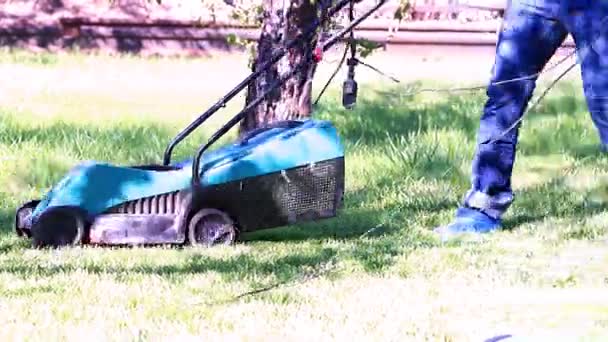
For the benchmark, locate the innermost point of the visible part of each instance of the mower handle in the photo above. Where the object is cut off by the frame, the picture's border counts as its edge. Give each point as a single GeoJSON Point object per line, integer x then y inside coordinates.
{"type": "Point", "coordinates": [196, 172]}
{"type": "Point", "coordinates": [262, 68]}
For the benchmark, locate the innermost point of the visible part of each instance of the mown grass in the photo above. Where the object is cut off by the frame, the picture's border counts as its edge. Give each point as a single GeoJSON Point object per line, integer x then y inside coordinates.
{"type": "Point", "coordinates": [373, 273]}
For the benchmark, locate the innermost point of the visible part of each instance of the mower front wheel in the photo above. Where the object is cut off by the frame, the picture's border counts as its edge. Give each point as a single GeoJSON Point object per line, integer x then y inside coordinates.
{"type": "Point", "coordinates": [59, 227]}
{"type": "Point", "coordinates": [209, 227]}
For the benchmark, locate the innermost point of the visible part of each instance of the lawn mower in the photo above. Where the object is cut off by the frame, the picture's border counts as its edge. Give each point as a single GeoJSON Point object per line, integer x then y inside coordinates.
{"type": "Point", "coordinates": [280, 174]}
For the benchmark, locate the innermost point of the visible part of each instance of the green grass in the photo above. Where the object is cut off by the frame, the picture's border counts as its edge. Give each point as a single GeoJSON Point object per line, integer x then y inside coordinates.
{"type": "Point", "coordinates": [374, 273]}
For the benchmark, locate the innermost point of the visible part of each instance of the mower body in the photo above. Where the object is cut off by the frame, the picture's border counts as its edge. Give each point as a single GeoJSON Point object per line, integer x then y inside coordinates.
{"type": "Point", "coordinates": [275, 177]}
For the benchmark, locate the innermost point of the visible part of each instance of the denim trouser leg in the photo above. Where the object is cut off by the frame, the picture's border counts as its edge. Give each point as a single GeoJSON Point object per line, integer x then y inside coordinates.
{"type": "Point", "coordinates": [589, 29]}
{"type": "Point", "coordinates": [528, 40]}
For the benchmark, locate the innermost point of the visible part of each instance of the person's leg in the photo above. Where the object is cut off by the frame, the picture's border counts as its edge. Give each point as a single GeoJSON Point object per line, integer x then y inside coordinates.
{"type": "Point", "coordinates": [589, 27]}
{"type": "Point", "coordinates": [528, 40]}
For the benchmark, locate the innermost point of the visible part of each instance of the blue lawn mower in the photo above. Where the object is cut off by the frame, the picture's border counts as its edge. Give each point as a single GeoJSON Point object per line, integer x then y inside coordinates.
{"type": "Point", "coordinates": [281, 174]}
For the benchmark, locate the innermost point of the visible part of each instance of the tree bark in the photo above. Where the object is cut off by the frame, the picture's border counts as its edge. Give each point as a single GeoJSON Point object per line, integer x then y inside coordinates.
{"type": "Point", "coordinates": [283, 21]}
{"type": "Point", "coordinates": [48, 6]}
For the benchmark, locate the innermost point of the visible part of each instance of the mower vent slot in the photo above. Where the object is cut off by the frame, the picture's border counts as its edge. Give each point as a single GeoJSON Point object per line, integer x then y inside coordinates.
{"type": "Point", "coordinates": [158, 204]}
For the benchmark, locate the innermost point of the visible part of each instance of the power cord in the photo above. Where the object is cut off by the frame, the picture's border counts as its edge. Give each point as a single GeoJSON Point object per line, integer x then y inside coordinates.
{"type": "Point", "coordinates": [545, 92]}
{"type": "Point", "coordinates": [485, 86]}
{"type": "Point", "coordinates": [333, 75]}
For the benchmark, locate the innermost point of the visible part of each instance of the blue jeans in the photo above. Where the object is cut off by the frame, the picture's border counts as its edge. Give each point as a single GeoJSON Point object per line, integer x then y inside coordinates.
{"type": "Point", "coordinates": [532, 32]}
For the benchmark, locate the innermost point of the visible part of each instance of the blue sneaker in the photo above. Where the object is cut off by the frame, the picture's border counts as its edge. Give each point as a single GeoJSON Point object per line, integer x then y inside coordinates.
{"type": "Point", "coordinates": [468, 221]}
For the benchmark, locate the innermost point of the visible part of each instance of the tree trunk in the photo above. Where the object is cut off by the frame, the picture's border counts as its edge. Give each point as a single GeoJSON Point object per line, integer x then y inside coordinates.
{"type": "Point", "coordinates": [48, 6]}
{"type": "Point", "coordinates": [283, 21]}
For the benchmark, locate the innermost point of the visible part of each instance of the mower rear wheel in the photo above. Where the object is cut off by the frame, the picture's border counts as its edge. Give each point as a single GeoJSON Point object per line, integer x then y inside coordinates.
{"type": "Point", "coordinates": [209, 227]}
{"type": "Point", "coordinates": [22, 217]}
{"type": "Point", "coordinates": [59, 227]}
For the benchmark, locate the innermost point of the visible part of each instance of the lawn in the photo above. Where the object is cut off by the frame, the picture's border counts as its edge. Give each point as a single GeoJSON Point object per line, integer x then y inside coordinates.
{"type": "Point", "coordinates": [375, 273]}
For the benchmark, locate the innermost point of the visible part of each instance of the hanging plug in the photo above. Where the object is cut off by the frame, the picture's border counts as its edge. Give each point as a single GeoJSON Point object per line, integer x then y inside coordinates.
{"type": "Point", "coordinates": [349, 87]}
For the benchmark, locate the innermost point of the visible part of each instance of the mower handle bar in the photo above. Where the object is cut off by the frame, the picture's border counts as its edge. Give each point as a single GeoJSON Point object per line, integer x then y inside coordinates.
{"type": "Point", "coordinates": [262, 68]}
{"type": "Point", "coordinates": [238, 117]}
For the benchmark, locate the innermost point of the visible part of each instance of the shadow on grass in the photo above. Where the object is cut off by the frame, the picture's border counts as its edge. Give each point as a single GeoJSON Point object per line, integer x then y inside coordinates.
{"type": "Point", "coordinates": [239, 267]}
{"type": "Point", "coordinates": [7, 244]}
{"type": "Point", "coordinates": [587, 152]}
{"type": "Point", "coordinates": [6, 219]}
{"type": "Point", "coordinates": [556, 200]}
{"type": "Point", "coordinates": [356, 220]}
{"type": "Point", "coordinates": [569, 100]}
{"type": "Point", "coordinates": [6, 224]}
{"type": "Point", "coordinates": [373, 255]}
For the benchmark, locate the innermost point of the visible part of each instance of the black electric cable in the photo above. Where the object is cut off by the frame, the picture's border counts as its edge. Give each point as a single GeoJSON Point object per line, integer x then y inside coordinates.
{"type": "Point", "coordinates": [333, 75]}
